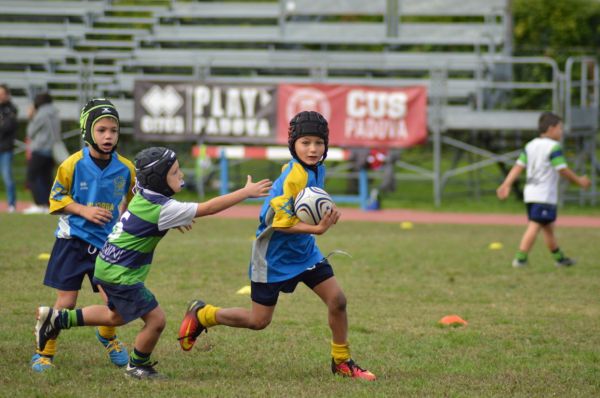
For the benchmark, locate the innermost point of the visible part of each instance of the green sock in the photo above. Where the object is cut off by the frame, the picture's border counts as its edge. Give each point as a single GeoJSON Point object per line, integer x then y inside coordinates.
{"type": "Point", "coordinates": [521, 256]}
{"type": "Point", "coordinates": [69, 318]}
{"type": "Point", "coordinates": [138, 358]}
{"type": "Point", "coordinates": [558, 254]}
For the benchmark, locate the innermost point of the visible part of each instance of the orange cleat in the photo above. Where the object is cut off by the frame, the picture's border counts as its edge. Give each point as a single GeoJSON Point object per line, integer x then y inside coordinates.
{"type": "Point", "coordinates": [191, 327]}
{"type": "Point", "coordinates": [350, 369]}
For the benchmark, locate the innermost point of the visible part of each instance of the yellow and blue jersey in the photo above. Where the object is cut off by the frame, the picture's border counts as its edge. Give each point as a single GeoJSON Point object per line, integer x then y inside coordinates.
{"type": "Point", "coordinates": [279, 256]}
{"type": "Point", "coordinates": [80, 180]}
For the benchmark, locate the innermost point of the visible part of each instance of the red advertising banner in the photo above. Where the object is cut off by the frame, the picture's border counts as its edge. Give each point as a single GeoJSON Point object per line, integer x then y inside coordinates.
{"type": "Point", "coordinates": [361, 116]}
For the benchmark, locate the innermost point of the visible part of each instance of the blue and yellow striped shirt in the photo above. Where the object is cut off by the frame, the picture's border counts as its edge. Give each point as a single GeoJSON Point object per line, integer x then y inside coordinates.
{"type": "Point", "coordinates": [80, 180]}
{"type": "Point", "coordinates": [279, 256]}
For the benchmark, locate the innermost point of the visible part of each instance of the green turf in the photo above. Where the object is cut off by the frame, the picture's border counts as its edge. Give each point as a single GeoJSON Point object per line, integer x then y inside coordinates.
{"type": "Point", "coordinates": [531, 332]}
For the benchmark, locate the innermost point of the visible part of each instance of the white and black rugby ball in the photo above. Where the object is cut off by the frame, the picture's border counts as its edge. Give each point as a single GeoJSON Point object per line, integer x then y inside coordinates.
{"type": "Point", "coordinates": [312, 204]}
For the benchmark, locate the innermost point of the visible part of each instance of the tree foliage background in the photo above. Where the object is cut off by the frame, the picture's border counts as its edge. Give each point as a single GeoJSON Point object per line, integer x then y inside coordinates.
{"type": "Point", "coordinates": [556, 28]}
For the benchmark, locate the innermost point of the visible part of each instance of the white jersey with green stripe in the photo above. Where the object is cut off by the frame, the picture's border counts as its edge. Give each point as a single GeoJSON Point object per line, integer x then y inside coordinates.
{"type": "Point", "coordinates": [127, 255]}
{"type": "Point", "coordinates": [542, 158]}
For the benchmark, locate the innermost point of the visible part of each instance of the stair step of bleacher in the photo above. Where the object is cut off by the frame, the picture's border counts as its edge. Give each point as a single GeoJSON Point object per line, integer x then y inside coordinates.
{"type": "Point", "coordinates": [112, 69]}
{"type": "Point", "coordinates": [118, 31]}
{"type": "Point", "coordinates": [105, 44]}
{"type": "Point", "coordinates": [66, 93]}
{"type": "Point", "coordinates": [134, 9]}
{"type": "Point", "coordinates": [220, 9]}
{"type": "Point", "coordinates": [126, 20]}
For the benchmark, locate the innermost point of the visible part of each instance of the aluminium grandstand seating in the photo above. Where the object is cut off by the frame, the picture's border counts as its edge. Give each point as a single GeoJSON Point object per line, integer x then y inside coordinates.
{"type": "Point", "coordinates": [287, 65]}
{"type": "Point", "coordinates": [26, 58]}
{"type": "Point", "coordinates": [67, 10]}
{"type": "Point", "coordinates": [331, 23]}
{"type": "Point", "coordinates": [407, 8]}
{"type": "Point", "coordinates": [42, 31]}
{"type": "Point", "coordinates": [225, 10]}
{"type": "Point", "coordinates": [340, 33]}
{"type": "Point", "coordinates": [335, 41]}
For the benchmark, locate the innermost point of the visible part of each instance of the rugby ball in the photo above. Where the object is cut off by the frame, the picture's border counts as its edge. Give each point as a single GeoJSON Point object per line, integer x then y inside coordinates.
{"type": "Point", "coordinates": [312, 204]}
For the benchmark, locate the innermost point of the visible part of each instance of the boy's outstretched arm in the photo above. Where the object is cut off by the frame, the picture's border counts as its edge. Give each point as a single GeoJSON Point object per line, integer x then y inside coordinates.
{"type": "Point", "coordinates": [220, 203]}
{"type": "Point", "coordinates": [582, 181]}
{"type": "Point", "coordinates": [504, 189]}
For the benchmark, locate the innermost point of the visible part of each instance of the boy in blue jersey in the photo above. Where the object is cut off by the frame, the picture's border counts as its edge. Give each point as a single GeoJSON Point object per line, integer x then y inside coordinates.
{"type": "Point", "coordinates": [544, 162]}
{"type": "Point", "coordinates": [285, 253]}
{"type": "Point", "coordinates": [124, 262]}
{"type": "Point", "coordinates": [92, 187]}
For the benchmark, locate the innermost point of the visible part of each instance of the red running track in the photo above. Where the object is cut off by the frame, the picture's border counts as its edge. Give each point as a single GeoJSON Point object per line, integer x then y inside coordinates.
{"type": "Point", "coordinates": [415, 216]}
{"type": "Point", "coordinates": [425, 217]}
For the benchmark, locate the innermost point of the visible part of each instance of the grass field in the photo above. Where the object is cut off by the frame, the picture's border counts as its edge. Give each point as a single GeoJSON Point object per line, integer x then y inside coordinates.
{"type": "Point", "coordinates": [532, 332]}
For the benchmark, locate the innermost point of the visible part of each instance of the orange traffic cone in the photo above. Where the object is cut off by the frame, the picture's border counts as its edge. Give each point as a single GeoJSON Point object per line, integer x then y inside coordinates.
{"type": "Point", "coordinates": [453, 320]}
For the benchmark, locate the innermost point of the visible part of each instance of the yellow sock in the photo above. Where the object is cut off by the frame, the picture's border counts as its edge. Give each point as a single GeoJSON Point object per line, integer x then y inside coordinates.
{"type": "Point", "coordinates": [108, 332]}
{"type": "Point", "coordinates": [340, 352]}
{"type": "Point", "coordinates": [49, 350]}
{"type": "Point", "coordinates": [208, 315]}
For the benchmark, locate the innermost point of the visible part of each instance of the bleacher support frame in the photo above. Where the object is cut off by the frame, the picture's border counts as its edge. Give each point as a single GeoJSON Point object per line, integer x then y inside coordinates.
{"type": "Point", "coordinates": [581, 122]}
{"type": "Point", "coordinates": [481, 119]}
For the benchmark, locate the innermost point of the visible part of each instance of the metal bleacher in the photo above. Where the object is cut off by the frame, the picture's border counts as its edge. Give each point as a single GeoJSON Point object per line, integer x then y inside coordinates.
{"type": "Point", "coordinates": [105, 46]}
{"type": "Point", "coordinates": [59, 10]}
{"type": "Point", "coordinates": [459, 49]}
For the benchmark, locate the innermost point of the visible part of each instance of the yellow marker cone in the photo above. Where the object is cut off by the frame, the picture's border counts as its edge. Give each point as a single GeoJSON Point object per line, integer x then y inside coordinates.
{"type": "Point", "coordinates": [44, 256]}
{"type": "Point", "coordinates": [245, 290]}
{"type": "Point", "coordinates": [495, 246]}
{"type": "Point", "coordinates": [406, 225]}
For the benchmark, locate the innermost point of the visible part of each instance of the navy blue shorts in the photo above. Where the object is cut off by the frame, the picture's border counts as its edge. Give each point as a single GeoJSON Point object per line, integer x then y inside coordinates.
{"type": "Point", "coordinates": [70, 261]}
{"type": "Point", "coordinates": [268, 293]}
{"type": "Point", "coordinates": [129, 301]}
{"type": "Point", "coordinates": [541, 213]}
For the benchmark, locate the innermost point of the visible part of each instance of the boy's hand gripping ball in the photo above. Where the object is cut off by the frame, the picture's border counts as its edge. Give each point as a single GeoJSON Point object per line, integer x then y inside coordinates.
{"type": "Point", "coordinates": [312, 204]}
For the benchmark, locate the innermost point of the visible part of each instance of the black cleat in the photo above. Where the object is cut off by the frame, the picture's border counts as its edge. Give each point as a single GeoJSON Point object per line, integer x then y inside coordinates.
{"type": "Point", "coordinates": [143, 372]}
{"type": "Point", "coordinates": [565, 262]}
{"type": "Point", "coordinates": [46, 327]}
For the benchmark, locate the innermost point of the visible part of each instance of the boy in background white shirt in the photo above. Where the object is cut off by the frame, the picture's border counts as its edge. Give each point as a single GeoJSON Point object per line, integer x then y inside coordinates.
{"type": "Point", "coordinates": [544, 161]}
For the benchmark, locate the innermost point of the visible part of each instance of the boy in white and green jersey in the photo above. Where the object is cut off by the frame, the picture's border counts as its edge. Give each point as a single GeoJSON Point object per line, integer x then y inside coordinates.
{"type": "Point", "coordinates": [544, 161]}
{"type": "Point", "coordinates": [124, 262]}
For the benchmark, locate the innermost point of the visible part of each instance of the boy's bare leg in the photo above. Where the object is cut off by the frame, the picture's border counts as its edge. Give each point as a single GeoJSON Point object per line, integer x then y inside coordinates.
{"type": "Point", "coordinates": [155, 322]}
{"type": "Point", "coordinates": [529, 236]}
{"type": "Point", "coordinates": [259, 317]}
{"type": "Point", "coordinates": [332, 295]}
{"type": "Point", "coordinates": [341, 359]}
{"type": "Point", "coordinates": [549, 238]}
{"type": "Point", "coordinates": [100, 315]}
{"type": "Point", "coordinates": [140, 366]}
{"type": "Point", "coordinates": [559, 257]}
{"type": "Point", "coordinates": [66, 299]}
